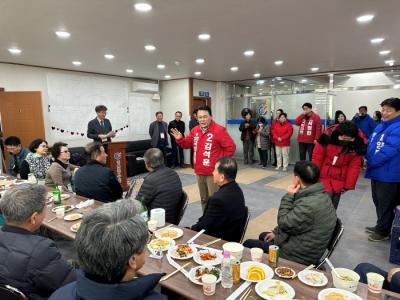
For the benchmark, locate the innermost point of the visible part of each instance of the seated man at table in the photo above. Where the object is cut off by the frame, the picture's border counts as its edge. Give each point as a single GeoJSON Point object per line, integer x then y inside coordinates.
{"type": "Point", "coordinates": [17, 154]}
{"type": "Point", "coordinates": [392, 278]}
{"type": "Point", "coordinates": [29, 262]}
{"type": "Point", "coordinates": [162, 187]}
{"type": "Point", "coordinates": [306, 219]}
{"type": "Point", "coordinates": [110, 244]}
{"type": "Point", "coordinates": [225, 214]}
{"type": "Point", "coordinates": [96, 181]}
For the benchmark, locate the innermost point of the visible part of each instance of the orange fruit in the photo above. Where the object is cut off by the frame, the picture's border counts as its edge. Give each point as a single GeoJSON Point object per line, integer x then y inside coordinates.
{"type": "Point", "coordinates": [255, 273]}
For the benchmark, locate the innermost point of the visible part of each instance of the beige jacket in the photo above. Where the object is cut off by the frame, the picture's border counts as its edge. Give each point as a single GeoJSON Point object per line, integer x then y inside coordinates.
{"type": "Point", "coordinates": [56, 174]}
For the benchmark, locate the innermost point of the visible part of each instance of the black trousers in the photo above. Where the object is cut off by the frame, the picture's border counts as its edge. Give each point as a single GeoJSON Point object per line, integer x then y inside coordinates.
{"type": "Point", "coordinates": [177, 154]}
{"type": "Point", "coordinates": [306, 148]}
{"type": "Point", "coordinates": [386, 196]}
{"type": "Point", "coordinates": [273, 155]}
{"type": "Point", "coordinates": [263, 156]}
{"type": "Point", "coordinates": [260, 243]}
{"type": "Point", "coordinates": [248, 151]}
{"type": "Point", "coordinates": [335, 197]}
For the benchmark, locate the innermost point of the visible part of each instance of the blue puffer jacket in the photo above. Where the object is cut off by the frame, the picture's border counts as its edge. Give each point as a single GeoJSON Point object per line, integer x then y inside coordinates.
{"type": "Point", "coordinates": [383, 154]}
{"type": "Point", "coordinates": [366, 124]}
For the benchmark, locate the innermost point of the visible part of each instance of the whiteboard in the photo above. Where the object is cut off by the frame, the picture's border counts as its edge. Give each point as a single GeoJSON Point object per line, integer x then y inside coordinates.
{"type": "Point", "coordinates": [72, 99]}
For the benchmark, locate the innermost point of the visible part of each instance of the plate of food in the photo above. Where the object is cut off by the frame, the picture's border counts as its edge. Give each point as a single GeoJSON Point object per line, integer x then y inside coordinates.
{"type": "Point", "coordinates": [182, 251]}
{"type": "Point", "coordinates": [73, 217]}
{"type": "Point", "coordinates": [196, 273]}
{"type": "Point", "coordinates": [170, 232]}
{"type": "Point", "coordinates": [67, 208]}
{"type": "Point", "coordinates": [337, 294]}
{"type": "Point", "coordinates": [255, 271]}
{"type": "Point", "coordinates": [312, 278]}
{"type": "Point", "coordinates": [285, 272]}
{"type": "Point", "coordinates": [208, 257]}
{"type": "Point", "coordinates": [274, 290]}
{"type": "Point", "coordinates": [161, 244]}
{"type": "Point", "coordinates": [75, 227]}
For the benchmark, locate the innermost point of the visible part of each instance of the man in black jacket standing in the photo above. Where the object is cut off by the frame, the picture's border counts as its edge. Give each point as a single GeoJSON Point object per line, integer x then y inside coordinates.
{"type": "Point", "coordinates": [94, 180]}
{"type": "Point", "coordinates": [28, 261]}
{"type": "Point", "coordinates": [225, 214]}
{"type": "Point", "coordinates": [177, 151]}
{"type": "Point", "coordinates": [162, 187]}
{"type": "Point", "coordinates": [99, 127]}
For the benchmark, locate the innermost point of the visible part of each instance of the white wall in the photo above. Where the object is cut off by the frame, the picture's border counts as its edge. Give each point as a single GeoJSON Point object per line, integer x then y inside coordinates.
{"type": "Point", "coordinates": [23, 78]}
{"type": "Point", "coordinates": [175, 97]}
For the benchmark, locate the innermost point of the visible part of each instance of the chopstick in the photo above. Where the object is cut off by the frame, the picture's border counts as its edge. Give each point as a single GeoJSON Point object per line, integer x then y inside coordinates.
{"type": "Point", "coordinates": [174, 272]}
{"type": "Point", "coordinates": [308, 268]}
{"type": "Point", "coordinates": [170, 225]}
{"type": "Point", "coordinates": [52, 219]}
{"type": "Point", "coordinates": [246, 294]}
{"type": "Point", "coordinates": [210, 243]}
{"type": "Point", "coordinates": [196, 236]}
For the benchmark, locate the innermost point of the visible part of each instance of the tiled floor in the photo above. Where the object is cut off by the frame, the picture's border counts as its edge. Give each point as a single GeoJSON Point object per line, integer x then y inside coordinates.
{"type": "Point", "coordinates": [356, 211]}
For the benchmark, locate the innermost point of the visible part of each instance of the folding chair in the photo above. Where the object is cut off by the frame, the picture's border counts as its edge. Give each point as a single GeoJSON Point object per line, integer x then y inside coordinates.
{"type": "Point", "coordinates": [336, 235]}
{"type": "Point", "coordinates": [11, 293]}
{"type": "Point", "coordinates": [245, 224]}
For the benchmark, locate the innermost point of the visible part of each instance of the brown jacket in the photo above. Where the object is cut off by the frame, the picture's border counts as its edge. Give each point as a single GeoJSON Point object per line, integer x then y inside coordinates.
{"type": "Point", "coordinates": [59, 175]}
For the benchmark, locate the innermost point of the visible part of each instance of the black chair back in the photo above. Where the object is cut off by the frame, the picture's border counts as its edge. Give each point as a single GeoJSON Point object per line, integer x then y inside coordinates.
{"type": "Point", "coordinates": [182, 206]}
{"type": "Point", "coordinates": [11, 293]}
{"type": "Point", "coordinates": [336, 235]}
{"type": "Point", "coordinates": [246, 222]}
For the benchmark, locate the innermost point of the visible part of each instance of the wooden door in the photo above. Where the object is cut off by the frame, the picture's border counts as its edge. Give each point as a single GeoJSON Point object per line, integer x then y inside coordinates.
{"type": "Point", "coordinates": [199, 101]}
{"type": "Point", "coordinates": [21, 115]}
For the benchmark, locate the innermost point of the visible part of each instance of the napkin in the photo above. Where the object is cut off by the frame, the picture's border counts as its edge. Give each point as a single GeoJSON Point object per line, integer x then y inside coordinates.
{"type": "Point", "coordinates": [159, 215]}
{"type": "Point", "coordinates": [84, 204]}
{"type": "Point", "coordinates": [239, 291]}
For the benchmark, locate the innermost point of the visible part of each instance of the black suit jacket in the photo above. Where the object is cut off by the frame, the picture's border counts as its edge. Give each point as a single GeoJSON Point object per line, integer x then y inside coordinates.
{"type": "Point", "coordinates": [225, 213]}
{"type": "Point", "coordinates": [94, 129]}
{"type": "Point", "coordinates": [96, 181]}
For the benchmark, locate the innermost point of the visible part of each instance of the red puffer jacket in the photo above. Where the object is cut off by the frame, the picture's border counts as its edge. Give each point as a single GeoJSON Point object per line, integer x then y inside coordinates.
{"type": "Point", "coordinates": [338, 171]}
{"type": "Point", "coordinates": [208, 147]}
{"type": "Point", "coordinates": [284, 131]}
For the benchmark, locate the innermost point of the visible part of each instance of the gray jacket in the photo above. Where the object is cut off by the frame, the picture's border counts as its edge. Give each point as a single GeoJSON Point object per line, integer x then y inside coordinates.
{"type": "Point", "coordinates": [154, 133]}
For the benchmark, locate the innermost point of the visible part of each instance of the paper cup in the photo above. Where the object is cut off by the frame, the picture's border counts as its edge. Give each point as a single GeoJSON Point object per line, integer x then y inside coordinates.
{"type": "Point", "coordinates": [152, 225]}
{"type": "Point", "coordinates": [209, 282]}
{"type": "Point", "coordinates": [375, 282]}
{"type": "Point", "coordinates": [235, 249]}
{"type": "Point", "coordinates": [60, 212]}
{"type": "Point", "coordinates": [256, 254]}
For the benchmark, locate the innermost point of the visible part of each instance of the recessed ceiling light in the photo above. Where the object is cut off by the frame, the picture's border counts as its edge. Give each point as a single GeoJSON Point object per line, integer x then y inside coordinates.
{"type": "Point", "coordinates": [377, 40]}
{"type": "Point", "coordinates": [365, 19]}
{"type": "Point", "coordinates": [160, 66]}
{"type": "Point", "coordinates": [384, 52]}
{"type": "Point", "coordinates": [311, 84]}
{"type": "Point", "coordinates": [109, 56]}
{"type": "Point", "coordinates": [278, 62]}
{"type": "Point", "coordinates": [129, 71]}
{"type": "Point", "coordinates": [259, 82]}
{"type": "Point", "coordinates": [246, 87]}
{"type": "Point", "coordinates": [14, 50]}
{"type": "Point", "coordinates": [197, 73]}
{"type": "Point", "coordinates": [143, 7]}
{"type": "Point", "coordinates": [177, 63]}
{"type": "Point", "coordinates": [167, 76]}
{"type": "Point", "coordinates": [63, 34]}
{"type": "Point", "coordinates": [204, 36]}
{"type": "Point", "coordinates": [76, 63]}
{"type": "Point", "coordinates": [248, 52]}
{"type": "Point", "coordinates": [150, 47]}
{"type": "Point", "coordinates": [389, 62]}
{"type": "Point", "coordinates": [256, 75]}
{"type": "Point", "coordinates": [303, 80]}
{"type": "Point", "coordinates": [314, 69]}
{"type": "Point", "coordinates": [200, 61]}
{"type": "Point", "coordinates": [234, 69]}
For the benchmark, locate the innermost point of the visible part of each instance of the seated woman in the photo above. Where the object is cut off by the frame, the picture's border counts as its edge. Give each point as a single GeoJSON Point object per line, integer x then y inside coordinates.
{"type": "Point", "coordinates": [110, 245]}
{"type": "Point", "coordinates": [60, 171]}
{"type": "Point", "coordinates": [36, 162]}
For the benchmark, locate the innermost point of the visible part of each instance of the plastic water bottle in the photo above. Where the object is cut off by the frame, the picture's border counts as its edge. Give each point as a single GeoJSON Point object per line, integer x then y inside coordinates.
{"type": "Point", "coordinates": [226, 271]}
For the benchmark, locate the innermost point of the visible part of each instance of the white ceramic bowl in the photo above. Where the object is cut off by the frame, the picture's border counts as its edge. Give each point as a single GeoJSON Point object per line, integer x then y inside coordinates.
{"type": "Point", "coordinates": [348, 285]}
{"type": "Point", "coordinates": [235, 249]}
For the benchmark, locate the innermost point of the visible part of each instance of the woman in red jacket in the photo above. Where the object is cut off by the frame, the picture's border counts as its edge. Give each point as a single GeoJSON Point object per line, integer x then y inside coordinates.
{"type": "Point", "coordinates": [281, 134]}
{"type": "Point", "coordinates": [338, 155]}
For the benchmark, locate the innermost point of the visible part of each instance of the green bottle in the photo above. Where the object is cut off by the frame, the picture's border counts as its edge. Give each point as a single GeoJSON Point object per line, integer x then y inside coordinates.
{"type": "Point", "coordinates": [56, 195]}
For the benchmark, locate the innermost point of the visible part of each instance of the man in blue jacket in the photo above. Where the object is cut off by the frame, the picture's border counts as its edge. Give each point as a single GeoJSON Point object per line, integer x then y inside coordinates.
{"type": "Point", "coordinates": [364, 121]}
{"type": "Point", "coordinates": [383, 157]}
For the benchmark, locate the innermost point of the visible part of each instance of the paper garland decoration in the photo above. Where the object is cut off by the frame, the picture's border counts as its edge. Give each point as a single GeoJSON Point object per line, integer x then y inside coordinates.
{"type": "Point", "coordinates": [79, 133]}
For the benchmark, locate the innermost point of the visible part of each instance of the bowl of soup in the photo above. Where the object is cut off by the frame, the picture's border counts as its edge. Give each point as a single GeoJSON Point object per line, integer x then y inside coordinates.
{"type": "Point", "coordinates": [348, 279]}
